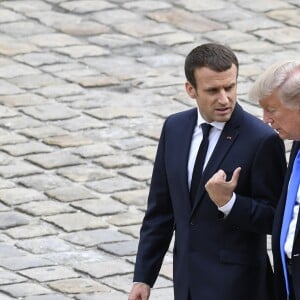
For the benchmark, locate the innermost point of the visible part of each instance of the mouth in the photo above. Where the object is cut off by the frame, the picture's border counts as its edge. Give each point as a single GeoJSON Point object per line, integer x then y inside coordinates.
{"type": "Point", "coordinates": [223, 110]}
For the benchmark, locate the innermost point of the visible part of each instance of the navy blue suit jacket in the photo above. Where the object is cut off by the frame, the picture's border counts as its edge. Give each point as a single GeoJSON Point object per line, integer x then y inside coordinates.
{"type": "Point", "coordinates": [214, 257]}
{"type": "Point", "coordinates": [279, 277]}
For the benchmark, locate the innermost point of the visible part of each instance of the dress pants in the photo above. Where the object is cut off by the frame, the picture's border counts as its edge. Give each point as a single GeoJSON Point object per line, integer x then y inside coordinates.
{"type": "Point", "coordinates": [289, 269]}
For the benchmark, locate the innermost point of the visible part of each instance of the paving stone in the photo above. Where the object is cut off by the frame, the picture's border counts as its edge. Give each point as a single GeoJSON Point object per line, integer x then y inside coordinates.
{"type": "Point", "coordinates": [78, 286]}
{"type": "Point", "coordinates": [120, 248]}
{"type": "Point", "coordinates": [53, 40]}
{"type": "Point", "coordinates": [19, 122]}
{"type": "Point", "coordinates": [109, 295]}
{"type": "Point", "coordinates": [71, 193]}
{"type": "Point", "coordinates": [5, 297]}
{"type": "Point", "coordinates": [91, 238]}
{"type": "Point", "coordinates": [111, 185]}
{"type": "Point", "coordinates": [4, 207]}
{"type": "Point", "coordinates": [143, 29]}
{"type": "Point", "coordinates": [10, 251]}
{"type": "Point", "coordinates": [43, 182]}
{"type": "Point", "coordinates": [147, 152]}
{"type": "Point", "coordinates": [171, 39]}
{"type": "Point", "coordinates": [96, 81]}
{"type": "Point", "coordinates": [163, 293]}
{"type": "Point", "coordinates": [254, 24]}
{"type": "Point", "coordinates": [35, 81]}
{"type": "Point", "coordinates": [71, 140]}
{"type": "Point", "coordinates": [114, 40]}
{"type": "Point", "coordinates": [48, 297]}
{"type": "Point", "coordinates": [76, 221]}
{"type": "Point", "coordinates": [21, 29]}
{"type": "Point", "coordinates": [17, 69]}
{"type": "Point", "coordinates": [84, 173]}
{"type": "Point", "coordinates": [289, 16]}
{"type": "Point", "coordinates": [49, 273]}
{"type": "Point", "coordinates": [43, 131]}
{"type": "Point", "coordinates": [7, 277]}
{"type": "Point", "coordinates": [105, 268]}
{"type": "Point", "coordinates": [134, 197]}
{"type": "Point", "coordinates": [43, 245]}
{"type": "Point", "coordinates": [60, 90]}
{"type": "Point", "coordinates": [139, 173]}
{"type": "Point", "coordinates": [267, 5]}
{"type": "Point", "coordinates": [124, 282]}
{"type": "Point", "coordinates": [24, 262]}
{"type": "Point", "coordinates": [280, 35]}
{"type": "Point", "coordinates": [100, 207]}
{"type": "Point", "coordinates": [118, 66]}
{"type": "Point", "coordinates": [45, 208]}
{"type": "Point", "coordinates": [185, 20]}
{"type": "Point", "coordinates": [22, 100]}
{"type": "Point", "coordinates": [86, 6]}
{"type": "Point", "coordinates": [25, 289]}
{"type": "Point", "coordinates": [147, 5]}
{"type": "Point", "coordinates": [72, 258]}
{"type": "Point", "coordinates": [83, 28]}
{"type": "Point", "coordinates": [115, 16]}
{"type": "Point", "coordinates": [9, 16]}
{"type": "Point", "coordinates": [108, 113]}
{"type": "Point", "coordinates": [81, 123]}
{"type": "Point", "coordinates": [132, 230]}
{"type": "Point", "coordinates": [40, 58]}
{"type": "Point", "coordinates": [255, 47]}
{"type": "Point", "coordinates": [12, 47]}
{"type": "Point", "coordinates": [94, 150]}
{"type": "Point", "coordinates": [54, 160]}
{"type": "Point", "coordinates": [50, 112]}
{"type": "Point", "coordinates": [27, 6]}
{"type": "Point", "coordinates": [12, 219]}
{"type": "Point", "coordinates": [128, 218]}
{"type": "Point", "coordinates": [83, 51]}
{"type": "Point", "coordinates": [31, 231]}
{"type": "Point", "coordinates": [26, 148]}
{"type": "Point", "coordinates": [200, 6]}
{"type": "Point", "coordinates": [8, 89]}
{"type": "Point", "coordinates": [19, 195]}
{"type": "Point", "coordinates": [54, 18]}
{"type": "Point", "coordinates": [117, 161]}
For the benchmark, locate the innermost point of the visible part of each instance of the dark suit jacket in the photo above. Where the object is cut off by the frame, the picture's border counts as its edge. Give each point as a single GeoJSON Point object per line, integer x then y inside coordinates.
{"type": "Point", "coordinates": [215, 258]}
{"type": "Point", "coordinates": [279, 277]}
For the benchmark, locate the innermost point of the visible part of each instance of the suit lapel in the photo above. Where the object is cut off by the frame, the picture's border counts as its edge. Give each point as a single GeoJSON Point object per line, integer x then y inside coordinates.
{"type": "Point", "coordinates": [225, 142]}
{"type": "Point", "coordinates": [185, 135]}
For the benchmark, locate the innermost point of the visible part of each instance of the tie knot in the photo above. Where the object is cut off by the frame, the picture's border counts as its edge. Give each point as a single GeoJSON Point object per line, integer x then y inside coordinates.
{"type": "Point", "coordinates": [205, 129]}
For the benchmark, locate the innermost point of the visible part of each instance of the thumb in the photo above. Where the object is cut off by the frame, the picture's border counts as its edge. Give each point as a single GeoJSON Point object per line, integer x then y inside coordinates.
{"type": "Point", "coordinates": [235, 176]}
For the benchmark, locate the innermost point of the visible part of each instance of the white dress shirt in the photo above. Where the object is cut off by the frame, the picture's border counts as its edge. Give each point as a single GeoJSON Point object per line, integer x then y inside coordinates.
{"type": "Point", "coordinates": [289, 242]}
{"type": "Point", "coordinates": [214, 135]}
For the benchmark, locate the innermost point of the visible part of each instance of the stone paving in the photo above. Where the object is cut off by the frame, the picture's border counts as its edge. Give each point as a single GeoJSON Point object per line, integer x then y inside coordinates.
{"type": "Point", "coordinates": [84, 89]}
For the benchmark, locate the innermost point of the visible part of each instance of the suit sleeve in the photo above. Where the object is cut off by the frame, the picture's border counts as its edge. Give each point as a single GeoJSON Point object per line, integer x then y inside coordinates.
{"type": "Point", "coordinates": [256, 212]}
{"type": "Point", "coordinates": [158, 224]}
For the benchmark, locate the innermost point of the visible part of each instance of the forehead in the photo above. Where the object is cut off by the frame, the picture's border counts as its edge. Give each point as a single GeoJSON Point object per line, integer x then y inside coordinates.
{"type": "Point", "coordinates": [271, 100]}
{"type": "Point", "coordinates": [208, 76]}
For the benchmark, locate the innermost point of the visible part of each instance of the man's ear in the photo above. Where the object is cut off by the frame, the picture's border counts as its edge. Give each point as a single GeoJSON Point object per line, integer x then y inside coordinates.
{"type": "Point", "coordinates": [190, 90]}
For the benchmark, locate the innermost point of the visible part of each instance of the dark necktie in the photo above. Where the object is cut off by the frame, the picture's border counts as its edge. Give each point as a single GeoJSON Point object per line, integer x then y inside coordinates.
{"type": "Point", "coordinates": [198, 167]}
{"type": "Point", "coordinates": [288, 211]}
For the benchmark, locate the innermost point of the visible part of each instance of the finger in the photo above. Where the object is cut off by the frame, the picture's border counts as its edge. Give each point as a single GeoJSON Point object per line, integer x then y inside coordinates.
{"type": "Point", "coordinates": [235, 176]}
{"type": "Point", "coordinates": [220, 175]}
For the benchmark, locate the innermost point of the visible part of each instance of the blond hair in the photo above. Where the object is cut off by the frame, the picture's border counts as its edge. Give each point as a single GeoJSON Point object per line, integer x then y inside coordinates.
{"type": "Point", "coordinates": [283, 77]}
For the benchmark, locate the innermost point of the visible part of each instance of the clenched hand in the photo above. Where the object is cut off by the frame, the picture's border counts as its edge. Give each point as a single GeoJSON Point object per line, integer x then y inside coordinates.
{"type": "Point", "coordinates": [219, 190]}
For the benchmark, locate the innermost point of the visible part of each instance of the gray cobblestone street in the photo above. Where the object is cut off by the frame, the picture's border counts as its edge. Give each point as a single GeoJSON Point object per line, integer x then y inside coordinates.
{"type": "Point", "coordinates": [85, 86]}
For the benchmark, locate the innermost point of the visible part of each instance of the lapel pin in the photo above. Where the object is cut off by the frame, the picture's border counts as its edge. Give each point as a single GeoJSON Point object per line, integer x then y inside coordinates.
{"type": "Point", "coordinates": [228, 137]}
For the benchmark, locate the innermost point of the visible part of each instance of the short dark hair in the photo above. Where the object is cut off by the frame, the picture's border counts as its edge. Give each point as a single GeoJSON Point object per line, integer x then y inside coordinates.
{"type": "Point", "coordinates": [214, 56]}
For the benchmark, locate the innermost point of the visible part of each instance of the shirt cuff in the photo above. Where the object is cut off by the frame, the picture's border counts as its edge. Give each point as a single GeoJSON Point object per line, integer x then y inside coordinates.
{"type": "Point", "coordinates": [226, 209]}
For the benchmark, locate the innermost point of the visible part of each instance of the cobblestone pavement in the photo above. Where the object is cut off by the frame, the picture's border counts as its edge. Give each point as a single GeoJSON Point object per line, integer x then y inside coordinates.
{"type": "Point", "coordinates": [84, 89]}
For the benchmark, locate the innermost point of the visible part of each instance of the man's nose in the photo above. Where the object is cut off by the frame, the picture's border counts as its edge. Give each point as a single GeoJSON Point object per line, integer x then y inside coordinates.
{"type": "Point", "coordinates": [223, 98]}
{"type": "Point", "coordinates": [267, 118]}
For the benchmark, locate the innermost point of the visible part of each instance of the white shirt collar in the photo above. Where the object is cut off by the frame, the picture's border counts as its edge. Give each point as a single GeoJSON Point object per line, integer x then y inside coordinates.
{"type": "Point", "coordinates": [200, 120]}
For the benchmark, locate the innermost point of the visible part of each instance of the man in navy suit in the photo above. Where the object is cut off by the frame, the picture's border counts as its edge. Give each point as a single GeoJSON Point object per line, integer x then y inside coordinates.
{"type": "Point", "coordinates": [278, 92]}
{"type": "Point", "coordinates": [220, 231]}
